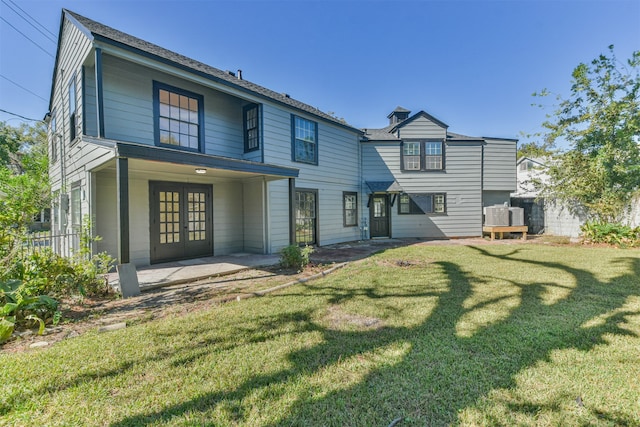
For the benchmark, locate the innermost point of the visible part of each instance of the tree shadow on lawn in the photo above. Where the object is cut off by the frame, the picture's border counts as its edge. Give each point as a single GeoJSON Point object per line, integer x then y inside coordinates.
{"type": "Point", "coordinates": [440, 373]}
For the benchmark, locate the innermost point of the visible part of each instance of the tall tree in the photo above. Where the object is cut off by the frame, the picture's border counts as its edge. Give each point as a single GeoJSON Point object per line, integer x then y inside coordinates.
{"type": "Point", "coordinates": [600, 121]}
{"type": "Point", "coordinates": [24, 178]}
{"type": "Point", "coordinates": [534, 150]}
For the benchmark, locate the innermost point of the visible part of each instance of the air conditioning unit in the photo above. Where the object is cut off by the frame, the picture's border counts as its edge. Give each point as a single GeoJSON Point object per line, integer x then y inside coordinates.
{"type": "Point", "coordinates": [497, 215]}
{"type": "Point", "coordinates": [516, 216]}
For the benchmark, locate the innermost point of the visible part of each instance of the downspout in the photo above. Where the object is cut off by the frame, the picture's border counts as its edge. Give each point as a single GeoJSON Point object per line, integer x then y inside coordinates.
{"type": "Point", "coordinates": [364, 223]}
{"type": "Point", "coordinates": [481, 187]}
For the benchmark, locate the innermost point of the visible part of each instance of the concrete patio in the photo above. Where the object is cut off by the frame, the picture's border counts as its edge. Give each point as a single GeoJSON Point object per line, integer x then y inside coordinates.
{"type": "Point", "coordinates": [177, 272]}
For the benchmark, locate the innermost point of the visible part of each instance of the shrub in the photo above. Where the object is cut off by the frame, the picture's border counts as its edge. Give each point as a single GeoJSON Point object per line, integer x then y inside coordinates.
{"type": "Point", "coordinates": [45, 272]}
{"type": "Point", "coordinates": [293, 256]}
{"type": "Point", "coordinates": [19, 307]}
{"type": "Point", "coordinates": [31, 279]}
{"type": "Point", "coordinates": [610, 233]}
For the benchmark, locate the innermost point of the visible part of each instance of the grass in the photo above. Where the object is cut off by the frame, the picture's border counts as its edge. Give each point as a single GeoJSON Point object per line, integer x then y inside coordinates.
{"type": "Point", "coordinates": [436, 335]}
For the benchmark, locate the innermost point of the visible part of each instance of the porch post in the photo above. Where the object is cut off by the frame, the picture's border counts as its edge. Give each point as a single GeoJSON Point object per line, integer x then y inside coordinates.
{"type": "Point", "coordinates": [292, 211]}
{"type": "Point", "coordinates": [122, 178]}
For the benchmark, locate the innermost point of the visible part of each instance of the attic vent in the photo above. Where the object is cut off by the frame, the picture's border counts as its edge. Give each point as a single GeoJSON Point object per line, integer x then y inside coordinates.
{"type": "Point", "coordinates": [286, 95]}
{"type": "Point", "coordinates": [231, 73]}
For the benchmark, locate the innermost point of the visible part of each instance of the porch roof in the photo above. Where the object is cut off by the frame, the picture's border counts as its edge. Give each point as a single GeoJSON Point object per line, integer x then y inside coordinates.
{"type": "Point", "coordinates": [384, 187]}
{"type": "Point", "coordinates": [161, 154]}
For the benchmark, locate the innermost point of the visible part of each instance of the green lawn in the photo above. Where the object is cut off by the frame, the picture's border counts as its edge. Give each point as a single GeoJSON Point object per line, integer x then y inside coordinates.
{"type": "Point", "coordinates": [489, 335]}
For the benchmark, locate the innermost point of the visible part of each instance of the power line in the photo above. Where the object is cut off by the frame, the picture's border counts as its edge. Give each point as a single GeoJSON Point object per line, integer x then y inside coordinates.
{"type": "Point", "coordinates": [52, 39]}
{"type": "Point", "coordinates": [22, 87]}
{"type": "Point", "coordinates": [32, 18]}
{"type": "Point", "coordinates": [18, 115]}
{"type": "Point", "coordinates": [26, 37]}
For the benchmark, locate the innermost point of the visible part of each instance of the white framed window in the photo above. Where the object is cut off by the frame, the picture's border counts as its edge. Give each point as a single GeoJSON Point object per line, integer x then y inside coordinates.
{"type": "Point", "coordinates": [178, 117]}
{"type": "Point", "coordinates": [305, 140]}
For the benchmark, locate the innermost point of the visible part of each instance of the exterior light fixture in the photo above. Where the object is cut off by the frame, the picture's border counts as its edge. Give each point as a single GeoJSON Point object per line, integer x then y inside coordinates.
{"type": "Point", "coordinates": [201, 171]}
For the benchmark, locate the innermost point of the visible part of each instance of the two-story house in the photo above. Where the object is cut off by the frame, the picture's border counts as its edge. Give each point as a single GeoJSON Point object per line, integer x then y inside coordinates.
{"type": "Point", "coordinates": [174, 159]}
{"type": "Point", "coordinates": [423, 181]}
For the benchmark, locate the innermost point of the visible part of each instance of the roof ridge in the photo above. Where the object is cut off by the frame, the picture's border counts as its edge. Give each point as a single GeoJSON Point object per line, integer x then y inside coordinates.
{"type": "Point", "coordinates": [118, 36]}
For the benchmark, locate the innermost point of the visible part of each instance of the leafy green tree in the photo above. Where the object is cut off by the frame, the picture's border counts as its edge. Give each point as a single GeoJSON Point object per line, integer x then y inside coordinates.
{"type": "Point", "coordinates": [600, 121]}
{"type": "Point", "coordinates": [534, 150]}
{"type": "Point", "coordinates": [24, 180]}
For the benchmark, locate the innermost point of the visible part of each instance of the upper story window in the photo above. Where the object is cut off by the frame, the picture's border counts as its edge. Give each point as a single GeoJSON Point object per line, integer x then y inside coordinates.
{"type": "Point", "coordinates": [73, 110]}
{"type": "Point", "coordinates": [305, 140]}
{"type": "Point", "coordinates": [433, 155]}
{"type": "Point", "coordinates": [53, 155]}
{"type": "Point", "coordinates": [179, 117]}
{"type": "Point", "coordinates": [251, 120]}
{"type": "Point", "coordinates": [411, 155]}
{"type": "Point", "coordinates": [421, 203]}
{"type": "Point", "coordinates": [422, 156]}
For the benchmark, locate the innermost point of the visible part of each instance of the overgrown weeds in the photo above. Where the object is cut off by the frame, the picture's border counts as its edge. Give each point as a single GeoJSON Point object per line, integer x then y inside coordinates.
{"type": "Point", "coordinates": [31, 282]}
{"type": "Point", "coordinates": [611, 233]}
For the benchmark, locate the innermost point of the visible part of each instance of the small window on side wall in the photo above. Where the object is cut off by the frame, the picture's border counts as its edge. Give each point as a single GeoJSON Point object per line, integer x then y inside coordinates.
{"type": "Point", "coordinates": [76, 210]}
{"type": "Point", "coordinates": [350, 209]}
{"type": "Point", "coordinates": [73, 110]}
{"type": "Point", "coordinates": [53, 154]}
{"type": "Point", "coordinates": [251, 123]}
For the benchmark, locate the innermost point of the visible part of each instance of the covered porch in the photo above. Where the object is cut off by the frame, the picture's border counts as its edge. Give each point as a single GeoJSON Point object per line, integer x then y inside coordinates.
{"type": "Point", "coordinates": [154, 205]}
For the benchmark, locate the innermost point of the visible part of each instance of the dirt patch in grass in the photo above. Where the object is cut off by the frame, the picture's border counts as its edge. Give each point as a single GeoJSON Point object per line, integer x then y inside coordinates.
{"type": "Point", "coordinates": [404, 263]}
{"type": "Point", "coordinates": [338, 319]}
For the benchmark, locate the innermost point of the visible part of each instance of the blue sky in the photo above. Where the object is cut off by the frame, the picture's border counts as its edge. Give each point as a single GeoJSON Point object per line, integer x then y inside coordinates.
{"type": "Point", "coordinates": [471, 64]}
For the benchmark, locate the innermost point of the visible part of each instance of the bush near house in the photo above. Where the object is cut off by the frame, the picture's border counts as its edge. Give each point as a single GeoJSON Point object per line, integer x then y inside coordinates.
{"type": "Point", "coordinates": [294, 256]}
{"type": "Point", "coordinates": [32, 279]}
{"type": "Point", "coordinates": [611, 233]}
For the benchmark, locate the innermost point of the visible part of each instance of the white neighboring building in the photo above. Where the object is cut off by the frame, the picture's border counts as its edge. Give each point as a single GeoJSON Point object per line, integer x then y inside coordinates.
{"type": "Point", "coordinates": [547, 216]}
{"type": "Point", "coordinates": [542, 216]}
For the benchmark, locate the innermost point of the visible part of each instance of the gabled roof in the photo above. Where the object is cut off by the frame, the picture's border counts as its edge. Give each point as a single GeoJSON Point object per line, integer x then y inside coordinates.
{"type": "Point", "coordinates": [383, 134]}
{"type": "Point", "coordinates": [102, 33]}
{"type": "Point", "coordinates": [384, 186]}
{"type": "Point", "coordinates": [542, 161]}
{"type": "Point", "coordinates": [421, 113]}
{"type": "Point", "coordinates": [388, 133]}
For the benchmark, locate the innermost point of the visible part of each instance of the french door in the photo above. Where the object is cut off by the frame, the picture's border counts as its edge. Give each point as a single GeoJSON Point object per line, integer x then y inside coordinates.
{"type": "Point", "coordinates": [181, 221]}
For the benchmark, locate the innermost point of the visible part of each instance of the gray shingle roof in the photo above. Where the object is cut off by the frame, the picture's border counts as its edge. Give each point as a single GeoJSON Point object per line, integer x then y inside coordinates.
{"type": "Point", "coordinates": [459, 137]}
{"type": "Point", "coordinates": [380, 134]}
{"type": "Point", "coordinates": [384, 186]}
{"type": "Point", "coordinates": [108, 34]}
